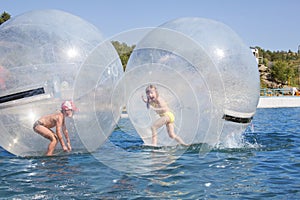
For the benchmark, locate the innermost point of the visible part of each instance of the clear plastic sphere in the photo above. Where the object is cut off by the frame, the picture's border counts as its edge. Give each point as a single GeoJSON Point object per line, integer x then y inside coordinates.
{"type": "Point", "coordinates": [204, 71]}
{"type": "Point", "coordinates": [50, 56]}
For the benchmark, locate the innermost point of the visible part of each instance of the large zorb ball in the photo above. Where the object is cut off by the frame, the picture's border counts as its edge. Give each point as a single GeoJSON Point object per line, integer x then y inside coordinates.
{"type": "Point", "coordinates": [204, 71]}
{"type": "Point", "coordinates": [49, 56]}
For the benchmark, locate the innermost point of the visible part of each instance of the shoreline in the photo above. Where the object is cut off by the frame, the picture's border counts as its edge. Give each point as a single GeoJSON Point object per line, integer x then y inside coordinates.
{"type": "Point", "coordinates": [279, 102]}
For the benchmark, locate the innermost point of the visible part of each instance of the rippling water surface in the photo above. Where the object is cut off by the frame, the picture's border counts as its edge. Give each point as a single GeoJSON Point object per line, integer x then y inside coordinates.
{"type": "Point", "coordinates": [265, 166]}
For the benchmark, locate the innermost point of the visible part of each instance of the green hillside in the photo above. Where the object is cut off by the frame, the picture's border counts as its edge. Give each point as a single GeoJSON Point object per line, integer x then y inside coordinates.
{"type": "Point", "coordinates": [279, 69]}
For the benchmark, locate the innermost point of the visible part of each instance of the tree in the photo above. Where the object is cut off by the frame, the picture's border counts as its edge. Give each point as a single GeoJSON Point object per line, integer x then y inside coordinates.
{"type": "Point", "coordinates": [283, 73]}
{"type": "Point", "coordinates": [124, 52]}
{"type": "Point", "coordinates": [290, 74]}
{"type": "Point", "coordinates": [278, 71]}
{"type": "Point", "coordinates": [4, 17]}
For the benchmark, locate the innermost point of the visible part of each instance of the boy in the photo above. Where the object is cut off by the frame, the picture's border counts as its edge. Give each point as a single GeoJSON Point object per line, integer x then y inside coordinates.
{"type": "Point", "coordinates": [44, 124]}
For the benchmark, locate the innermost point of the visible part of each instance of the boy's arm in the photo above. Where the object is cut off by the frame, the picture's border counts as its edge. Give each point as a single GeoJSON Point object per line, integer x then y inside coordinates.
{"type": "Point", "coordinates": [66, 133]}
{"type": "Point", "coordinates": [59, 124]}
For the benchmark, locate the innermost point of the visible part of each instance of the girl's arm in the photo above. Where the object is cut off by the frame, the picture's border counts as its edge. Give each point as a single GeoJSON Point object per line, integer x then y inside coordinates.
{"type": "Point", "coordinates": [144, 100]}
{"type": "Point", "coordinates": [161, 105]}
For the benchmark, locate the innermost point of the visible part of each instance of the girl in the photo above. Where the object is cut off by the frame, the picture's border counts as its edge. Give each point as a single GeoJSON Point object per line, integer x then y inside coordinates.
{"type": "Point", "coordinates": [167, 118]}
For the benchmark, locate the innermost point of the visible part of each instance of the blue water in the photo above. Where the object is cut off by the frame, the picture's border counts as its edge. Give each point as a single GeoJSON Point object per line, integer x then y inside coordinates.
{"type": "Point", "coordinates": [265, 166]}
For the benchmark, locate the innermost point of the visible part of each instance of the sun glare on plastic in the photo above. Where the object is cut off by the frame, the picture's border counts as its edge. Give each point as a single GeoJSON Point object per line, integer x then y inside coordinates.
{"type": "Point", "coordinates": [220, 53]}
{"type": "Point", "coordinates": [72, 52]}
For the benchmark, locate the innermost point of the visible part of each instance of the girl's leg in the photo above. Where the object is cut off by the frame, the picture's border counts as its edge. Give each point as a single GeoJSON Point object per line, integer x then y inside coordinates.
{"type": "Point", "coordinates": [157, 124]}
{"type": "Point", "coordinates": [170, 128]}
{"type": "Point", "coordinates": [47, 133]}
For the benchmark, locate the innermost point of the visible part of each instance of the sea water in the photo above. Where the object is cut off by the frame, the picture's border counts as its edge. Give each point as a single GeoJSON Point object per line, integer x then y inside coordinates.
{"type": "Point", "coordinates": [266, 165]}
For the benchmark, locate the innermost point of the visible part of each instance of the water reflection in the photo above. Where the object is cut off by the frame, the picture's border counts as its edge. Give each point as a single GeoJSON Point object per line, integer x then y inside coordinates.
{"type": "Point", "coordinates": [145, 160]}
{"type": "Point", "coordinates": [57, 166]}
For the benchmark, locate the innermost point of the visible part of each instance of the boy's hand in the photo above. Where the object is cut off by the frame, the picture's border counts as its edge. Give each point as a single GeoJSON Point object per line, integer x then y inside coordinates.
{"type": "Point", "coordinates": [65, 148]}
{"type": "Point", "coordinates": [69, 147]}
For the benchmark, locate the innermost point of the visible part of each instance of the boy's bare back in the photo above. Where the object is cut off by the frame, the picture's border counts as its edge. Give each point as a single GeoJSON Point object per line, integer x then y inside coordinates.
{"type": "Point", "coordinates": [52, 120]}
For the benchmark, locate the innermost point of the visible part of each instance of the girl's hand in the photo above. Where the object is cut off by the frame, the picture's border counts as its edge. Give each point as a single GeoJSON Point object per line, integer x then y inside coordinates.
{"type": "Point", "coordinates": [144, 100]}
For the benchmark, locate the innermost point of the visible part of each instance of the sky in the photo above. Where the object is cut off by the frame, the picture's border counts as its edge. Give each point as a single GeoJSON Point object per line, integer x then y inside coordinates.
{"type": "Point", "coordinates": [270, 24]}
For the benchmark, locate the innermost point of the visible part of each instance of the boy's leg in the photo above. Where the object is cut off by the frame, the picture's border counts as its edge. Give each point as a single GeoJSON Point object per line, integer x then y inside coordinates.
{"type": "Point", "coordinates": [47, 133]}
{"type": "Point", "coordinates": [52, 145]}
